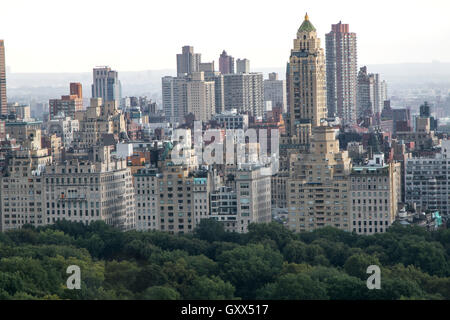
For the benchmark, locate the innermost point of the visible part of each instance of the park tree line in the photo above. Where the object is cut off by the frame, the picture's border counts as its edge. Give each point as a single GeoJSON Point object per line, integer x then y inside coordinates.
{"type": "Point", "coordinates": [269, 262]}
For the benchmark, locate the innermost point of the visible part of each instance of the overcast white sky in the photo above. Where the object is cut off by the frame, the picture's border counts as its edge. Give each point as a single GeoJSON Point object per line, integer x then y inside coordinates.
{"type": "Point", "coordinates": [75, 36]}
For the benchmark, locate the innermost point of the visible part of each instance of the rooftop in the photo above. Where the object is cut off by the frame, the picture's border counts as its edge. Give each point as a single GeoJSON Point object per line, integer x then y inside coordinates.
{"type": "Point", "coordinates": [306, 26]}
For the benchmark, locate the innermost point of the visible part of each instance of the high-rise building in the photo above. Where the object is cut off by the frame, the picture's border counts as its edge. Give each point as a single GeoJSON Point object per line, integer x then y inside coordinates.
{"type": "Point", "coordinates": [317, 189]}
{"type": "Point", "coordinates": [188, 61]}
{"type": "Point", "coordinates": [67, 105]}
{"type": "Point", "coordinates": [200, 97]}
{"type": "Point", "coordinates": [226, 63]}
{"type": "Point", "coordinates": [3, 100]}
{"type": "Point", "coordinates": [427, 183]}
{"type": "Point", "coordinates": [275, 91]}
{"type": "Point", "coordinates": [341, 57]}
{"type": "Point", "coordinates": [307, 82]}
{"type": "Point", "coordinates": [243, 66]}
{"type": "Point", "coordinates": [146, 189]}
{"type": "Point", "coordinates": [371, 94]}
{"type": "Point", "coordinates": [217, 77]}
{"type": "Point", "coordinates": [106, 84]}
{"type": "Point", "coordinates": [380, 92]}
{"type": "Point", "coordinates": [374, 196]}
{"type": "Point", "coordinates": [244, 92]}
{"type": "Point", "coordinates": [190, 94]}
{"type": "Point", "coordinates": [364, 94]}
{"type": "Point", "coordinates": [174, 98]}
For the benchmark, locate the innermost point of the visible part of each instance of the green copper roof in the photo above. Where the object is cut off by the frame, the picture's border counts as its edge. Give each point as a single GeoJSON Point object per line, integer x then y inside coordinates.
{"type": "Point", "coordinates": [306, 25]}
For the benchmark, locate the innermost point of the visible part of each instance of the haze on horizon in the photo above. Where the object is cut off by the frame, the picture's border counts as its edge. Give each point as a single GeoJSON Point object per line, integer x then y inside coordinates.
{"type": "Point", "coordinates": [62, 36]}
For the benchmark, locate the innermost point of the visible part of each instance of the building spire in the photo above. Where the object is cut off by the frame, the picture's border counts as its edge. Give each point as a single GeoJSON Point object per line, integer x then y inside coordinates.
{"type": "Point", "coordinates": [306, 25]}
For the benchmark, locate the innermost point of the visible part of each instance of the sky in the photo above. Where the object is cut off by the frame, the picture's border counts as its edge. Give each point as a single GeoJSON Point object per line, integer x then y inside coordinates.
{"type": "Point", "coordinates": [134, 35]}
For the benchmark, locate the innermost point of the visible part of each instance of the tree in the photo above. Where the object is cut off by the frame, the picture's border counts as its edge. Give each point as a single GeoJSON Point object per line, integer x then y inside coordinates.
{"type": "Point", "coordinates": [160, 293]}
{"type": "Point", "coordinates": [210, 230]}
{"type": "Point", "coordinates": [294, 287]}
{"type": "Point", "coordinates": [357, 265]}
{"type": "Point", "coordinates": [295, 251]}
{"type": "Point", "coordinates": [250, 267]}
{"type": "Point", "coordinates": [213, 288]}
{"type": "Point", "coordinates": [257, 232]}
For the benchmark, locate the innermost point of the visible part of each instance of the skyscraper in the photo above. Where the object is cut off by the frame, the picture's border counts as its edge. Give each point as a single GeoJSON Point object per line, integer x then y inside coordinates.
{"type": "Point", "coordinates": [3, 101]}
{"type": "Point", "coordinates": [188, 61]}
{"type": "Point", "coordinates": [190, 94]}
{"type": "Point", "coordinates": [306, 81]}
{"type": "Point", "coordinates": [364, 94]}
{"type": "Point", "coordinates": [243, 66]}
{"type": "Point", "coordinates": [226, 63]}
{"type": "Point", "coordinates": [244, 92]}
{"type": "Point", "coordinates": [311, 185]}
{"type": "Point", "coordinates": [106, 84]}
{"type": "Point", "coordinates": [275, 91]}
{"type": "Point", "coordinates": [371, 93]}
{"type": "Point", "coordinates": [67, 105]}
{"type": "Point", "coordinates": [341, 57]}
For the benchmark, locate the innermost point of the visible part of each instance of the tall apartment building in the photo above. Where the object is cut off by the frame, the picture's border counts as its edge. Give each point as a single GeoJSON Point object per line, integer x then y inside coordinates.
{"type": "Point", "coordinates": [371, 93]}
{"type": "Point", "coordinates": [427, 181]}
{"type": "Point", "coordinates": [200, 95]}
{"type": "Point", "coordinates": [3, 99]}
{"type": "Point", "coordinates": [380, 92]}
{"type": "Point", "coordinates": [189, 94]}
{"type": "Point", "coordinates": [306, 82]}
{"type": "Point", "coordinates": [226, 63]}
{"type": "Point", "coordinates": [106, 84]}
{"type": "Point", "coordinates": [242, 66]}
{"type": "Point", "coordinates": [341, 57]}
{"type": "Point", "coordinates": [365, 94]}
{"type": "Point", "coordinates": [244, 92]}
{"type": "Point", "coordinates": [188, 61]}
{"type": "Point", "coordinates": [67, 105]}
{"type": "Point", "coordinates": [202, 190]}
{"type": "Point", "coordinates": [317, 190]}
{"type": "Point", "coordinates": [275, 91]}
{"type": "Point", "coordinates": [22, 196]}
{"type": "Point", "coordinates": [253, 195]}
{"type": "Point", "coordinates": [251, 192]}
{"type": "Point", "coordinates": [146, 199]}
{"type": "Point", "coordinates": [174, 98]}
{"type": "Point", "coordinates": [175, 189]}
{"type": "Point", "coordinates": [217, 77]}
{"type": "Point", "coordinates": [374, 195]}
{"type": "Point", "coordinates": [38, 192]}
{"type": "Point", "coordinates": [224, 207]}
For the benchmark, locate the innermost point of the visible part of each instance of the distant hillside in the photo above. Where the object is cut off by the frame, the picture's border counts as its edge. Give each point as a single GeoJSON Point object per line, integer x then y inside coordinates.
{"type": "Point", "coordinates": [42, 86]}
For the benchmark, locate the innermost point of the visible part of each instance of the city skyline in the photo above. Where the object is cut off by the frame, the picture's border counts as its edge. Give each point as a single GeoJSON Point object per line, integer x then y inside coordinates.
{"type": "Point", "coordinates": [56, 50]}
